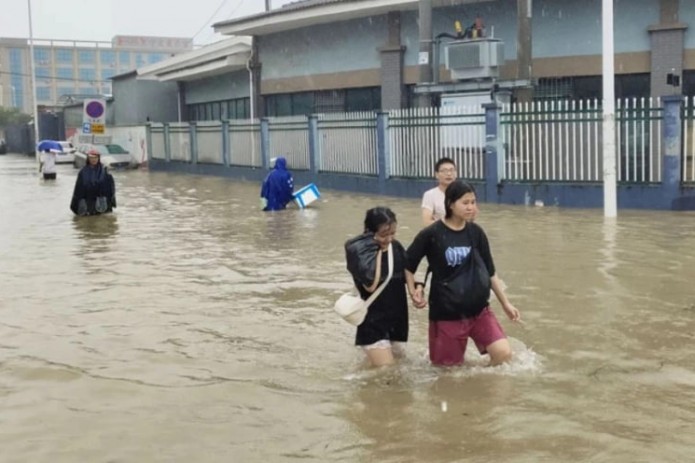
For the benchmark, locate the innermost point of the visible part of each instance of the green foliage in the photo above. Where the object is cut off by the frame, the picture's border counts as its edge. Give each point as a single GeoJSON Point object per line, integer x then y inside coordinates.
{"type": "Point", "coordinates": [12, 116]}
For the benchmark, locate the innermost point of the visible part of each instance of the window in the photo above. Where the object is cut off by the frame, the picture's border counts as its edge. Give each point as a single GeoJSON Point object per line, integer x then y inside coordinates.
{"type": "Point", "coordinates": [87, 75]}
{"type": "Point", "coordinates": [43, 94]}
{"type": "Point", "coordinates": [16, 60]}
{"type": "Point", "coordinates": [229, 109]}
{"type": "Point", "coordinates": [155, 58]}
{"type": "Point", "coordinates": [632, 86]}
{"type": "Point", "coordinates": [363, 99]}
{"type": "Point", "coordinates": [303, 103]}
{"type": "Point", "coordinates": [124, 59]}
{"type": "Point", "coordinates": [42, 72]}
{"type": "Point", "coordinates": [86, 57]}
{"type": "Point", "coordinates": [63, 91]}
{"type": "Point", "coordinates": [42, 56]}
{"type": "Point", "coordinates": [64, 73]}
{"type": "Point", "coordinates": [64, 56]}
{"type": "Point", "coordinates": [107, 57]}
{"type": "Point", "coordinates": [106, 74]}
{"type": "Point", "coordinates": [140, 60]}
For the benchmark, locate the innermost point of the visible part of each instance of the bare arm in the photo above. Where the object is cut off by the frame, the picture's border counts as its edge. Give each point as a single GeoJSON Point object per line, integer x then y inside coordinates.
{"type": "Point", "coordinates": [427, 216]}
{"type": "Point", "coordinates": [511, 311]}
{"type": "Point", "coordinates": [377, 274]}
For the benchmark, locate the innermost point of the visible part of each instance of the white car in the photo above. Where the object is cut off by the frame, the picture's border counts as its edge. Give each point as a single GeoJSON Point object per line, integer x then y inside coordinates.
{"type": "Point", "coordinates": [111, 155]}
{"type": "Point", "coordinates": [68, 154]}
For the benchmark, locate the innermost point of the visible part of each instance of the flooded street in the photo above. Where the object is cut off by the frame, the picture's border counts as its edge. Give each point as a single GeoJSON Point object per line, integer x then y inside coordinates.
{"type": "Point", "coordinates": [190, 326]}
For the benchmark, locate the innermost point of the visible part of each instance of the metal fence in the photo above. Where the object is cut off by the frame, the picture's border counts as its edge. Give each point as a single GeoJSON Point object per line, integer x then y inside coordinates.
{"type": "Point", "coordinates": [289, 137]}
{"type": "Point", "coordinates": [158, 141]}
{"type": "Point", "coordinates": [544, 141]}
{"type": "Point", "coordinates": [420, 136]}
{"type": "Point", "coordinates": [245, 143]}
{"type": "Point", "coordinates": [348, 143]}
{"type": "Point", "coordinates": [562, 140]}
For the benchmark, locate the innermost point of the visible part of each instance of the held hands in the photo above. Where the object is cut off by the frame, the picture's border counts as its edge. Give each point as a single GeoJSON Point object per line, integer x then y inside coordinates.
{"type": "Point", "coordinates": [418, 296]}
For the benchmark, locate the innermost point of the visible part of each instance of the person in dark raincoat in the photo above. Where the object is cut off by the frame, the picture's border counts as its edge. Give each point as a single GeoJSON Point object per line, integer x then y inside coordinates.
{"type": "Point", "coordinates": [95, 191]}
{"type": "Point", "coordinates": [277, 187]}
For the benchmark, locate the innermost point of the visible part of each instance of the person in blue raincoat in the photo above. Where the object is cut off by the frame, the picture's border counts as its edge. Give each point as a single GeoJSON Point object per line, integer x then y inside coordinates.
{"type": "Point", "coordinates": [277, 187]}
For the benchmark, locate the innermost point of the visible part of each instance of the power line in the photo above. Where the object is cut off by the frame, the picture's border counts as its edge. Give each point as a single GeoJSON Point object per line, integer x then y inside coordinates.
{"type": "Point", "coordinates": [224, 2]}
{"type": "Point", "coordinates": [55, 78]}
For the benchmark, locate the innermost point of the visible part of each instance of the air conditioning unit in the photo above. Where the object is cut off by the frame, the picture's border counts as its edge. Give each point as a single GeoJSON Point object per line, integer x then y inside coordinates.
{"type": "Point", "coordinates": [474, 59]}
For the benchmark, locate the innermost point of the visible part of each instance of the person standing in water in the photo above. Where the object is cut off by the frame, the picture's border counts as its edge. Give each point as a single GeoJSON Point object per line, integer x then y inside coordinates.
{"type": "Point", "coordinates": [95, 190]}
{"type": "Point", "coordinates": [278, 186]}
{"type": "Point", "coordinates": [47, 164]}
{"type": "Point", "coordinates": [384, 330]}
{"type": "Point", "coordinates": [445, 172]}
{"type": "Point", "coordinates": [463, 272]}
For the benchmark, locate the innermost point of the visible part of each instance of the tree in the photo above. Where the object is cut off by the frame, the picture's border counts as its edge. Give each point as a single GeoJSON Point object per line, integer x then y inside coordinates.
{"type": "Point", "coordinates": [12, 116]}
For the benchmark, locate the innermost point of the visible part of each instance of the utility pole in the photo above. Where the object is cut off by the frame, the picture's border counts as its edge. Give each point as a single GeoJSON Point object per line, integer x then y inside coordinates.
{"type": "Point", "coordinates": [34, 103]}
{"type": "Point", "coordinates": [425, 55]}
{"type": "Point", "coordinates": [610, 188]}
{"type": "Point", "coordinates": [267, 5]}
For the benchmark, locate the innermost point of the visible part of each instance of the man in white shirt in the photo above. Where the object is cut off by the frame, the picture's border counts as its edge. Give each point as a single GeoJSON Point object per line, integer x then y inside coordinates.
{"type": "Point", "coordinates": [47, 164]}
{"type": "Point", "coordinates": [433, 200]}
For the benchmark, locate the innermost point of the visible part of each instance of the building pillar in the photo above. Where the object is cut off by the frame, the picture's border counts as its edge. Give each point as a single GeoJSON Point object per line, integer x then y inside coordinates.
{"type": "Point", "coordinates": [667, 49]}
{"type": "Point", "coordinates": [524, 50]}
{"type": "Point", "coordinates": [383, 149]}
{"type": "Point", "coordinates": [167, 143]}
{"type": "Point", "coordinates": [494, 155]}
{"type": "Point", "coordinates": [392, 86]}
{"type": "Point", "coordinates": [314, 144]}
{"type": "Point", "coordinates": [258, 110]}
{"type": "Point", "coordinates": [193, 142]}
{"type": "Point", "coordinates": [183, 109]}
{"type": "Point", "coordinates": [265, 143]}
{"type": "Point", "coordinates": [672, 146]}
{"type": "Point", "coordinates": [225, 143]}
{"type": "Point", "coordinates": [426, 48]}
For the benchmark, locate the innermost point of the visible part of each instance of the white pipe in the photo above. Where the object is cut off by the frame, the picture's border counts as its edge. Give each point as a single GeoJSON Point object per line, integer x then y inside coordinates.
{"type": "Point", "coordinates": [610, 193]}
{"type": "Point", "coordinates": [35, 103]}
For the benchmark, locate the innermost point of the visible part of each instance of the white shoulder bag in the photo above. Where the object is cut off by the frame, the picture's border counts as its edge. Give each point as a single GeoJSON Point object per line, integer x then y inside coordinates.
{"type": "Point", "coordinates": [353, 309]}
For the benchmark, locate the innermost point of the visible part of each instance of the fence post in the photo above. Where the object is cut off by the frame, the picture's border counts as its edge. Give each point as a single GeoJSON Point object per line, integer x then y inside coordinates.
{"type": "Point", "coordinates": [314, 146]}
{"type": "Point", "coordinates": [494, 152]}
{"type": "Point", "coordinates": [225, 143]}
{"type": "Point", "coordinates": [672, 143]}
{"type": "Point", "coordinates": [167, 143]}
{"type": "Point", "coordinates": [265, 143]}
{"type": "Point", "coordinates": [148, 142]}
{"type": "Point", "coordinates": [382, 148]}
{"type": "Point", "coordinates": [193, 142]}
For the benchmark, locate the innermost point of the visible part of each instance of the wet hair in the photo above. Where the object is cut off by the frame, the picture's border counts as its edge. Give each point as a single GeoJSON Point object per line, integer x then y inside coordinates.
{"type": "Point", "coordinates": [454, 192]}
{"type": "Point", "coordinates": [443, 161]}
{"type": "Point", "coordinates": [376, 217]}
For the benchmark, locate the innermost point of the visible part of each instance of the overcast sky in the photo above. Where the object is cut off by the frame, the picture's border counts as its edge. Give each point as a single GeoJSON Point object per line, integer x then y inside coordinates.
{"type": "Point", "coordinates": [102, 19]}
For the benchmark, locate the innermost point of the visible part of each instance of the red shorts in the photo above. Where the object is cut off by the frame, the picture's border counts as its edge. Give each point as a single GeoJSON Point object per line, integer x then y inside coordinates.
{"type": "Point", "coordinates": [448, 338]}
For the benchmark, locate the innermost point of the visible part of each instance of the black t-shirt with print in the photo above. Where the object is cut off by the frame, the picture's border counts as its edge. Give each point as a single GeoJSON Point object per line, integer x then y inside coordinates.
{"type": "Point", "coordinates": [446, 250]}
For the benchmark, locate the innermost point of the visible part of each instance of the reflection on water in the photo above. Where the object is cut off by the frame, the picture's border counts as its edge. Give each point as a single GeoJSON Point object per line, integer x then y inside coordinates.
{"type": "Point", "coordinates": [189, 325]}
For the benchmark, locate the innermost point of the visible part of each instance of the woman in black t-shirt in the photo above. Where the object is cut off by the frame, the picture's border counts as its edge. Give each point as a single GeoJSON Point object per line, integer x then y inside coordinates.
{"type": "Point", "coordinates": [385, 328]}
{"type": "Point", "coordinates": [463, 273]}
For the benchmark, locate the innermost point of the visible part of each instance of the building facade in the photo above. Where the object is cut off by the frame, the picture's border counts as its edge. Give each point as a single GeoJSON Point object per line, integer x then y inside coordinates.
{"type": "Point", "coordinates": [71, 70]}
{"type": "Point", "coordinates": [328, 55]}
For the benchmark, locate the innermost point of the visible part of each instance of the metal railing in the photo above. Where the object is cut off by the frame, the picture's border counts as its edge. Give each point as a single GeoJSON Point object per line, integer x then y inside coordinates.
{"type": "Point", "coordinates": [348, 143]}
{"type": "Point", "coordinates": [420, 136]}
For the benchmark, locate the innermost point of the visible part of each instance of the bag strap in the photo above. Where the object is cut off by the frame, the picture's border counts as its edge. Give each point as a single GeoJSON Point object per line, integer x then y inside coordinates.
{"type": "Point", "coordinates": [381, 287]}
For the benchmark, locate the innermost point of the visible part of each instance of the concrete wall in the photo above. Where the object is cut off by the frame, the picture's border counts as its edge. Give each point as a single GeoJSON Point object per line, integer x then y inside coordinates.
{"type": "Point", "coordinates": [327, 48]}
{"type": "Point", "coordinates": [136, 100]}
{"type": "Point", "coordinates": [218, 88]}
